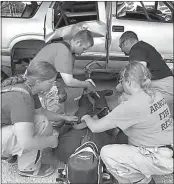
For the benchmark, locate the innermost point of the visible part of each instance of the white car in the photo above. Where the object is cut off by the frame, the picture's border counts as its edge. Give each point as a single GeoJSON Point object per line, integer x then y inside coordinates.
{"type": "Point", "coordinates": [29, 26]}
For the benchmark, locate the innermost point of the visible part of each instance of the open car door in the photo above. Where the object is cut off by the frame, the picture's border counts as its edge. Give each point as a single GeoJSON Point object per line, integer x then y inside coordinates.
{"type": "Point", "coordinates": [56, 16]}
{"type": "Point", "coordinates": [61, 28]}
{"type": "Point", "coordinates": [100, 68]}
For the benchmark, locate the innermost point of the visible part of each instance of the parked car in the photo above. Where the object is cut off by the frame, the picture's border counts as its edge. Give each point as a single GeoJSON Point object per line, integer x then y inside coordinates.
{"type": "Point", "coordinates": [28, 27]}
{"type": "Point", "coordinates": [166, 13]}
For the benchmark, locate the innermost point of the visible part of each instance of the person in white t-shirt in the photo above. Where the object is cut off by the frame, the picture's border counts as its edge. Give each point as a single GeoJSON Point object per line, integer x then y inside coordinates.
{"type": "Point", "coordinates": [146, 119]}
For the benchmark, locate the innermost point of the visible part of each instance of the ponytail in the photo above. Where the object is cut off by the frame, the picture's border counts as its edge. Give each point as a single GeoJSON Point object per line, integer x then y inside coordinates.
{"type": "Point", "coordinates": [36, 71]}
{"type": "Point", "coordinates": [146, 87]}
{"type": "Point", "coordinates": [139, 73]}
{"type": "Point", "coordinates": [12, 81]}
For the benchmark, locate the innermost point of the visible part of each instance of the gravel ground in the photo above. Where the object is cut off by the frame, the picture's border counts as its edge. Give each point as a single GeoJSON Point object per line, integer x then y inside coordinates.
{"type": "Point", "coordinates": [9, 173]}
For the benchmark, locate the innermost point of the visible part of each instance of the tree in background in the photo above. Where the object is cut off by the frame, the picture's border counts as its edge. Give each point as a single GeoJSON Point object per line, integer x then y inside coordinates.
{"type": "Point", "coordinates": [12, 7]}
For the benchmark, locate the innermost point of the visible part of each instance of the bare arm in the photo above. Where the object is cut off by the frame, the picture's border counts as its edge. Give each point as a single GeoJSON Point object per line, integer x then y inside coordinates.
{"type": "Point", "coordinates": [123, 116]}
{"type": "Point", "coordinates": [27, 140]}
{"type": "Point", "coordinates": [83, 124]}
{"type": "Point", "coordinates": [98, 125]}
{"type": "Point", "coordinates": [52, 116]}
{"type": "Point", "coordinates": [71, 82]}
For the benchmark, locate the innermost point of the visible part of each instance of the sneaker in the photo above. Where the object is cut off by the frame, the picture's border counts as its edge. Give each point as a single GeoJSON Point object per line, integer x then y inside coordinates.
{"type": "Point", "coordinates": [44, 171]}
{"type": "Point", "coordinates": [107, 178]}
{"type": "Point", "coordinates": [141, 181]}
{"type": "Point", "coordinates": [12, 159]}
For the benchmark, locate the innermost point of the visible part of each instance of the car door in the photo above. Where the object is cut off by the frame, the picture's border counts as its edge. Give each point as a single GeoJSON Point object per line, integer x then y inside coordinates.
{"type": "Point", "coordinates": [129, 16]}
{"type": "Point", "coordinates": [65, 19]}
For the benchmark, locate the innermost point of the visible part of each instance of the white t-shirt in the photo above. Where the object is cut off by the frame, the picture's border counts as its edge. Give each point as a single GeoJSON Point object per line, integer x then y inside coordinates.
{"type": "Point", "coordinates": [145, 123]}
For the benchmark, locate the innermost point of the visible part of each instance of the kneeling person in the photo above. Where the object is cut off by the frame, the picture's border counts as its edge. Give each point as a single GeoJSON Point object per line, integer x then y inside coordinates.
{"type": "Point", "coordinates": [149, 129]}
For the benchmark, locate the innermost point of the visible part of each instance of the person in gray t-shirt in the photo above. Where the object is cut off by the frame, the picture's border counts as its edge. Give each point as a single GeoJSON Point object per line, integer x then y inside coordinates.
{"type": "Point", "coordinates": [146, 119]}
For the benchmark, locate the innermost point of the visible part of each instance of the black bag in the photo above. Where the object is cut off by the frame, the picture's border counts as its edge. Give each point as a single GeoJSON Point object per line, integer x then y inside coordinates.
{"type": "Point", "coordinates": [84, 166]}
{"type": "Point", "coordinates": [73, 139]}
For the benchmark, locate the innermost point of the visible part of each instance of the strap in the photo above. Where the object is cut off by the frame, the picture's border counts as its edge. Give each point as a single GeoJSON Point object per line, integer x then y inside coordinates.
{"type": "Point", "coordinates": [90, 144]}
{"type": "Point", "coordinates": [15, 89]}
{"type": "Point", "coordinates": [90, 147]}
{"type": "Point", "coordinates": [86, 138]}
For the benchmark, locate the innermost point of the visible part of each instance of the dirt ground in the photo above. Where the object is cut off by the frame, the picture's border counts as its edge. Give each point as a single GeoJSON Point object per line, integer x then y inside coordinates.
{"type": "Point", "coordinates": [9, 173]}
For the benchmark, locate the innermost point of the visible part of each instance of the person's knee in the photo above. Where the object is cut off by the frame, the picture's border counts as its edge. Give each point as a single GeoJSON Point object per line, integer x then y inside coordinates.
{"type": "Point", "coordinates": [48, 129]}
{"type": "Point", "coordinates": [104, 153]}
{"type": "Point", "coordinates": [115, 151]}
{"type": "Point", "coordinates": [42, 125]}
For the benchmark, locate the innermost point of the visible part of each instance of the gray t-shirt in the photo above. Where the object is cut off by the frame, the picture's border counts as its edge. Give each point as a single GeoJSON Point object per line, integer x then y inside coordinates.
{"type": "Point", "coordinates": [145, 123]}
{"type": "Point", "coordinates": [59, 55]}
{"type": "Point", "coordinates": [18, 107]}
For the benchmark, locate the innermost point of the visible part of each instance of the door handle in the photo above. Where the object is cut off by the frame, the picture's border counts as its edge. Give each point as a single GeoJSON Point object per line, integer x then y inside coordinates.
{"type": "Point", "coordinates": [117, 28]}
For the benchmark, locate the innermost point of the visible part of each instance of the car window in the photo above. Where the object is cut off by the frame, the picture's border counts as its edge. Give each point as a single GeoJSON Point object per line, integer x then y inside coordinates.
{"type": "Point", "coordinates": [19, 8]}
{"type": "Point", "coordinates": [147, 11]}
{"type": "Point", "coordinates": [72, 12]}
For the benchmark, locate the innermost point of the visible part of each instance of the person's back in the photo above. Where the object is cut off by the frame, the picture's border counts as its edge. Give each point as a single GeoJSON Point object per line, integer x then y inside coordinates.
{"type": "Point", "coordinates": [146, 119]}
{"type": "Point", "coordinates": [58, 54]}
{"type": "Point", "coordinates": [15, 103]}
{"type": "Point", "coordinates": [162, 76]}
{"type": "Point", "coordinates": [153, 122]}
{"type": "Point", "coordinates": [145, 52]}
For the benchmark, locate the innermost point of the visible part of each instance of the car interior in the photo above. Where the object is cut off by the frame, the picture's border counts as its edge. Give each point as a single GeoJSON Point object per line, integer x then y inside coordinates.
{"type": "Point", "coordinates": [72, 12]}
{"type": "Point", "coordinates": [141, 16]}
{"type": "Point", "coordinates": [148, 13]}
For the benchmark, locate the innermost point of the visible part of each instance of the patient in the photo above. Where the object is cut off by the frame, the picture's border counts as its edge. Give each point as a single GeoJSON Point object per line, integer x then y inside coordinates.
{"type": "Point", "coordinates": [79, 133]}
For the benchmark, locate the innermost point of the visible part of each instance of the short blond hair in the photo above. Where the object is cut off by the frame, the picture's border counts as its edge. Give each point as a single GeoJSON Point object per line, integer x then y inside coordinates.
{"type": "Point", "coordinates": [84, 36]}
